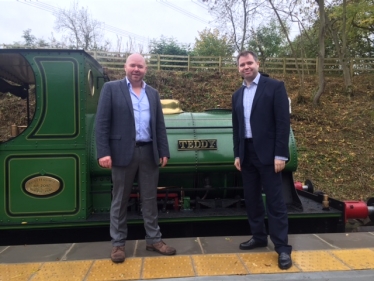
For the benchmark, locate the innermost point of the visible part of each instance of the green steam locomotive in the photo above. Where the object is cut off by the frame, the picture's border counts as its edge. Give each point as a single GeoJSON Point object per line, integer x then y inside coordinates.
{"type": "Point", "coordinates": [50, 176]}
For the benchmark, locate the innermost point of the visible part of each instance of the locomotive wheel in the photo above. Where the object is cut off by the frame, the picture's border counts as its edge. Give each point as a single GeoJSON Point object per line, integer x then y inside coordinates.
{"type": "Point", "coordinates": [310, 186]}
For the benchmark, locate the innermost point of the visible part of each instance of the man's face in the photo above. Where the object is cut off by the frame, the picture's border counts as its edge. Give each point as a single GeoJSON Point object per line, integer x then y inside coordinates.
{"type": "Point", "coordinates": [135, 68]}
{"type": "Point", "coordinates": [248, 67]}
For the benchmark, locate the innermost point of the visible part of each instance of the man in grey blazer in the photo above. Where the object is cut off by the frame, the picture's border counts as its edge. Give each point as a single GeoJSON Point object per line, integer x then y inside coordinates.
{"type": "Point", "coordinates": [261, 128]}
{"type": "Point", "coordinates": [131, 138]}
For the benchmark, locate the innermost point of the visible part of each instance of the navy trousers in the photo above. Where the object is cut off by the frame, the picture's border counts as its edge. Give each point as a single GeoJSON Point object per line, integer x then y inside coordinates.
{"type": "Point", "coordinates": [258, 177]}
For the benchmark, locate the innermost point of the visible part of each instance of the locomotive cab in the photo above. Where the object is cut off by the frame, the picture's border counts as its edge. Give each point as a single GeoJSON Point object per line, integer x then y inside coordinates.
{"type": "Point", "coordinates": [44, 177]}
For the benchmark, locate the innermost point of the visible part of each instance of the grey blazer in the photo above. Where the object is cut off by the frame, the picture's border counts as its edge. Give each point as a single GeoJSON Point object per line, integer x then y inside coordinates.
{"type": "Point", "coordinates": [115, 124]}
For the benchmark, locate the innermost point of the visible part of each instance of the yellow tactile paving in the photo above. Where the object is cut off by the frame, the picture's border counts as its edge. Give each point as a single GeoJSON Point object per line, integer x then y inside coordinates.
{"type": "Point", "coordinates": [258, 263]}
{"type": "Point", "coordinates": [189, 266]}
{"type": "Point", "coordinates": [219, 264]}
{"type": "Point", "coordinates": [67, 270]}
{"type": "Point", "coordinates": [167, 267]}
{"type": "Point", "coordinates": [309, 261]}
{"type": "Point", "coordinates": [18, 272]}
{"type": "Point", "coordinates": [103, 270]}
{"type": "Point", "coordinates": [357, 258]}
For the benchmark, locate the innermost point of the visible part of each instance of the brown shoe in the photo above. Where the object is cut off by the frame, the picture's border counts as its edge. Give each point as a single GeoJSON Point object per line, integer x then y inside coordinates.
{"type": "Point", "coordinates": [118, 254]}
{"type": "Point", "coordinates": [162, 248]}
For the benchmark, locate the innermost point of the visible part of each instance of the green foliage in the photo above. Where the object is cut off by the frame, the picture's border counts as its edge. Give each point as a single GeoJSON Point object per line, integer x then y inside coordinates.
{"type": "Point", "coordinates": [267, 40]}
{"type": "Point", "coordinates": [210, 43]}
{"type": "Point", "coordinates": [168, 46]}
{"type": "Point", "coordinates": [362, 13]}
{"type": "Point", "coordinates": [359, 30]}
{"type": "Point", "coordinates": [306, 45]}
{"type": "Point", "coordinates": [30, 39]}
{"type": "Point", "coordinates": [360, 27]}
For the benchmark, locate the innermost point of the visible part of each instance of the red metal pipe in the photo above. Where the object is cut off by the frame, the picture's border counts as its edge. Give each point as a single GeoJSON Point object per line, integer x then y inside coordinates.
{"type": "Point", "coordinates": [356, 210]}
{"type": "Point", "coordinates": [298, 185]}
{"type": "Point", "coordinates": [307, 186]}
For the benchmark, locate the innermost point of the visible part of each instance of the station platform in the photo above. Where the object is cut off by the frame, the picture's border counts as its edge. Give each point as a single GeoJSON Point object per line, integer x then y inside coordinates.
{"type": "Point", "coordinates": [338, 256]}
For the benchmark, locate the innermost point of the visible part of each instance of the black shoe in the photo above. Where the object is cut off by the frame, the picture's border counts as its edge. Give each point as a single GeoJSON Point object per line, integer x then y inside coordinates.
{"type": "Point", "coordinates": [284, 261]}
{"type": "Point", "coordinates": [251, 244]}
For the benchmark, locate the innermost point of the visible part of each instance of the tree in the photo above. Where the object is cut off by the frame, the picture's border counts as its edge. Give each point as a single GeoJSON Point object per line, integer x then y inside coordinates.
{"type": "Point", "coordinates": [83, 31]}
{"type": "Point", "coordinates": [363, 14]}
{"type": "Point", "coordinates": [339, 37]}
{"type": "Point", "coordinates": [168, 46]}
{"type": "Point", "coordinates": [321, 52]}
{"type": "Point", "coordinates": [30, 40]}
{"type": "Point", "coordinates": [234, 18]}
{"type": "Point", "coordinates": [266, 41]}
{"type": "Point", "coordinates": [210, 43]}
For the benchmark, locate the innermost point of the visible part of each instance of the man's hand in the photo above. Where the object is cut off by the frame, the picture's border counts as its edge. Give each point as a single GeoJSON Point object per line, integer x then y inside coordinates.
{"type": "Point", "coordinates": [163, 161]}
{"type": "Point", "coordinates": [279, 165]}
{"type": "Point", "coordinates": [237, 164]}
{"type": "Point", "coordinates": [105, 162]}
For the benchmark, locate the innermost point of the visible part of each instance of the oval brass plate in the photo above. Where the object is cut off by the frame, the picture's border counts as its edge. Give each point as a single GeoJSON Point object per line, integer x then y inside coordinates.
{"type": "Point", "coordinates": [42, 185]}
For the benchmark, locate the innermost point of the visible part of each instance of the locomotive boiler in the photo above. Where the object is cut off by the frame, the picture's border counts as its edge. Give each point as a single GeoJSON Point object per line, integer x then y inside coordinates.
{"type": "Point", "coordinates": [50, 176]}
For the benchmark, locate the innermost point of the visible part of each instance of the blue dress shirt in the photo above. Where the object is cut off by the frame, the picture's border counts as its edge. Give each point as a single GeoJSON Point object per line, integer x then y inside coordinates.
{"type": "Point", "coordinates": [142, 114]}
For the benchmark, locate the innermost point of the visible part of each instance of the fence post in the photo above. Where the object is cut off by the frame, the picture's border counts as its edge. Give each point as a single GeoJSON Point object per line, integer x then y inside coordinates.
{"type": "Point", "coordinates": [188, 63]}
{"type": "Point", "coordinates": [284, 66]}
{"type": "Point", "coordinates": [158, 62]}
{"type": "Point", "coordinates": [220, 64]}
{"type": "Point", "coordinates": [95, 55]}
{"type": "Point", "coordinates": [317, 65]}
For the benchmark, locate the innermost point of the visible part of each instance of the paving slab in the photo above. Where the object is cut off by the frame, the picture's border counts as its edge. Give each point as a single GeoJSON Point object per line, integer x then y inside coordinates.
{"type": "Point", "coordinates": [32, 253]}
{"type": "Point", "coordinates": [185, 246]}
{"type": "Point", "coordinates": [306, 242]}
{"type": "Point", "coordinates": [229, 244]}
{"type": "Point", "coordinates": [348, 240]}
{"type": "Point", "coordinates": [96, 250]}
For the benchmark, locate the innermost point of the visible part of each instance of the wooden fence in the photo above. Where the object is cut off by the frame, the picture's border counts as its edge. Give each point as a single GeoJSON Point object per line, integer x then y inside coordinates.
{"type": "Point", "coordinates": [115, 60]}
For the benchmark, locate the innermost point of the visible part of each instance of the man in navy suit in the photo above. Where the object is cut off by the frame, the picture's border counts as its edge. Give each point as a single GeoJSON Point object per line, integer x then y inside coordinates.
{"type": "Point", "coordinates": [131, 138]}
{"type": "Point", "coordinates": [261, 128]}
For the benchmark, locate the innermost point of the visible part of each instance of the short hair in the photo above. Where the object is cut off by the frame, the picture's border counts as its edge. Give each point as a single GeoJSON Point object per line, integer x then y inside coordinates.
{"type": "Point", "coordinates": [246, 53]}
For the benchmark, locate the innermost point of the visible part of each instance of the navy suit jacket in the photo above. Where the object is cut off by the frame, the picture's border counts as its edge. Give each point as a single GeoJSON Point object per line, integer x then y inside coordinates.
{"type": "Point", "coordinates": [269, 119]}
{"type": "Point", "coordinates": [115, 124]}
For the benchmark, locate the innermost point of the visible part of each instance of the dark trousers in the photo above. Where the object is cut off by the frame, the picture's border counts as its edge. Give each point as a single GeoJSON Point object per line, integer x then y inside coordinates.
{"type": "Point", "coordinates": [258, 177]}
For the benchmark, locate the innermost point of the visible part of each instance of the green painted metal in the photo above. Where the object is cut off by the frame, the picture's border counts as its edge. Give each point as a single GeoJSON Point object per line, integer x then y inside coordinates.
{"type": "Point", "coordinates": [186, 203]}
{"type": "Point", "coordinates": [54, 144]}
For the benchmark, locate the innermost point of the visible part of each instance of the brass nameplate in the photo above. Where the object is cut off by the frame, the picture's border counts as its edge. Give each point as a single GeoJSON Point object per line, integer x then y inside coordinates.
{"type": "Point", "coordinates": [209, 144]}
{"type": "Point", "coordinates": [42, 185]}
